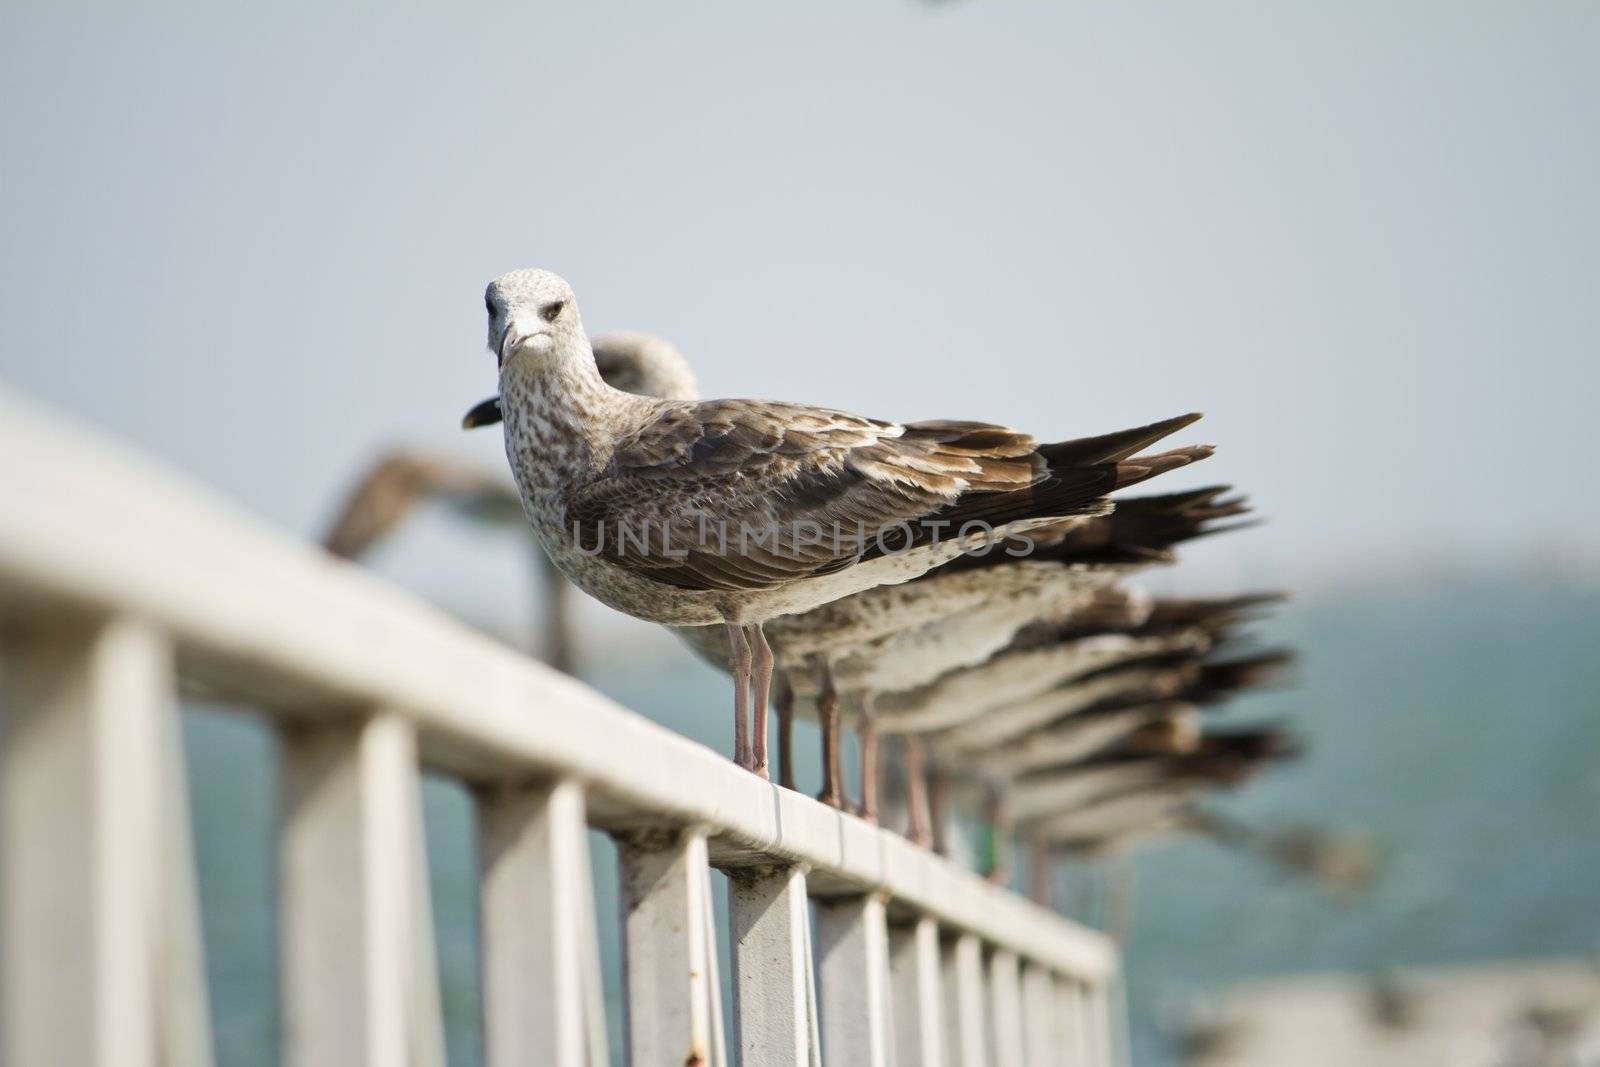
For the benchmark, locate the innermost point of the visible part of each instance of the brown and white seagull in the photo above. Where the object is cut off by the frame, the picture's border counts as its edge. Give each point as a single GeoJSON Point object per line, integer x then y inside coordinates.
{"type": "Point", "coordinates": [735, 512]}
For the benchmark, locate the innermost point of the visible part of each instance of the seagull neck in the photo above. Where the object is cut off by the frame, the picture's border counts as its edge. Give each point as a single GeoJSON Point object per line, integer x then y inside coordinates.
{"type": "Point", "coordinates": [564, 407]}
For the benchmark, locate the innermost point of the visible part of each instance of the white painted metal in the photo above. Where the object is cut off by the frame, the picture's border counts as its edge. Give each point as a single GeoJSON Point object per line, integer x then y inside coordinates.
{"type": "Point", "coordinates": [1098, 1044]}
{"type": "Point", "coordinates": [1038, 1007]}
{"type": "Point", "coordinates": [1005, 1007]}
{"type": "Point", "coordinates": [966, 993]}
{"type": "Point", "coordinates": [853, 971]}
{"type": "Point", "coordinates": [541, 963]}
{"type": "Point", "coordinates": [97, 970]}
{"type": "Point", "coordinates": [1098, 1029]}
{"type": "Point", "coordinates": [1071, 1031]}
{"type": "Point", "coordinates": [719, 1044]}
{"type": "Point", "coordinates": [259, 615]}
{"type": "Point", "coordinates": [669, 957]}
{"type": "Point", "coordinates": [917, 994]}
{"type": "Point", "coordinates": [94, 851]}
{"type": "Point", "coordinates": [360, 982]}
{"type": "Point", "coordinates": [773, 1004]}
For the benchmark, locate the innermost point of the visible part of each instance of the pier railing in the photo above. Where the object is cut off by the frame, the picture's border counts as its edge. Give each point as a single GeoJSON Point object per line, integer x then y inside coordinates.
{"type": "Point", "coordinates": [121, 587]}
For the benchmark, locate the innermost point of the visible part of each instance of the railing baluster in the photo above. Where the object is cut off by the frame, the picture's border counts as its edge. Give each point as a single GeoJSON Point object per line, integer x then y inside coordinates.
{"type": "Point", "coordinates": [1005, 999]}
{"type": "Point", "coordinates": [98, 913]}
{"type": "Point", "coordinates": [853, 940]}
{"type": "Point", "coordinates": [100, 916]}
{"type": "Point", "coordinates": [1070, 1036]}
{"type": "Point", "coordinates": [1097, 1026]}
{"type": "Point", "coordinates": [669, 950]}
{"type": "Point", "coordinates": [1038, 1010]}
{"type": "Point", "coordinates": [1092, 1013]}
{"type": "Point", "coordinates": [774, 1006]}
{"type": "Point", "coordinates": [917, 994]}
{"type": "Point", "coordinates": [360, 982]}
{"type": "Point", "coordinates": [541, 961]}
{"type": "Point", "coordinates": [966, 1003]}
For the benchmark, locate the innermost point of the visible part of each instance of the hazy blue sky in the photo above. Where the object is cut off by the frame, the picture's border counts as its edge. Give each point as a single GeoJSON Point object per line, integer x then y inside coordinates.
{"type": "Point", "coordinates": [1363, 237]}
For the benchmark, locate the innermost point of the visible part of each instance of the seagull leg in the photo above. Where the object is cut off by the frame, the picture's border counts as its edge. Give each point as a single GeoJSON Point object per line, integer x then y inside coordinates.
{"type": "Point", "coordinates": [1040, 874]}
{"type": "Point", "coordinates": [999, 813]}
{"type": "Point", "coordinates": [939, 809]}
{"type": "Point", "coordinates": [1119, 886]}
{"type": "Point", "coordinates": [828, 711]}
{"type": "Point", "coordinates": [867, 740]}
{"type": "Point", "coordinates": [916, 793]}
{"type": "Point", "coordinates": [783, 704]}
{"type": "Point", "coordinates": [739, 666]}
{"type": "Point", "coordinates": [761, 697]}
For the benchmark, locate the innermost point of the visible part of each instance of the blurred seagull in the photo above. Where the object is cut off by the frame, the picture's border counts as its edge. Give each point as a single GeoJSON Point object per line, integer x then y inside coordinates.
{"type": "Point", "coordinates": [600, 470]}
{"type": "Point", "coordinates": [402, 480]}
{"type": "Point", "coordinates": [1103, 800]}
{"type": "Point", "coordinates": [893, 637]}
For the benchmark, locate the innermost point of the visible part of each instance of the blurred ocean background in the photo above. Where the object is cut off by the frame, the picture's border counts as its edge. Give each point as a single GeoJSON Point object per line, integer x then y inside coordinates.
{"type": "Point", "coordinates": [1456, 722]}
{"type": "Point", "coordinates": [1363, 237]}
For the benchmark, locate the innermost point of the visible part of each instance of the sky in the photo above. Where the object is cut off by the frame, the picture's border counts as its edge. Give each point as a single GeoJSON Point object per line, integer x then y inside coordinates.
{"type": "Point", "coordinates": [1362, 237]}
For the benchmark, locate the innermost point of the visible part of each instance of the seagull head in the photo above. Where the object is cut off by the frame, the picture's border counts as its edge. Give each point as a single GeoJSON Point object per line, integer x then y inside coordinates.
{"type": "Point", "coordinates": [531, 311]}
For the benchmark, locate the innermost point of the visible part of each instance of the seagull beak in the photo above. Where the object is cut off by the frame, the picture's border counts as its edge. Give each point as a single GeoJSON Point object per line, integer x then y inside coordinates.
{"type": "Point", "coordinates": [515, 337]}
{"type": "Point", "coordinates": [483, 413]}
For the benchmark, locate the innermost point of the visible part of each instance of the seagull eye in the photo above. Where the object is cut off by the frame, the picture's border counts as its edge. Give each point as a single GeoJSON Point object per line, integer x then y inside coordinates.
{"type": "Point", "coordinates": [551, 312]}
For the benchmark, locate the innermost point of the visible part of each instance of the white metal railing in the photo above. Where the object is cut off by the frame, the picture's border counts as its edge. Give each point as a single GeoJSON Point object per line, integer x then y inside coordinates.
{"type": "Point", "coordinates": [119, 584]}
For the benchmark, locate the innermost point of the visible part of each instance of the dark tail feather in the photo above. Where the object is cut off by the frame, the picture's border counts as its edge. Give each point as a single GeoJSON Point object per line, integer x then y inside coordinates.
{"type": "Point", "coordinates": [1233, 756]}
{"type": "Point", "coordinates": [483, 413]}
{"type": "Point", "coordinates": [1079, 475]}
{"type": "Point", "coordinates": [1210, 612]}
{"type": "Point", "coordinates": [1218, 681]}
{"type": "Point", "coordinates": [1112, 447]}
{"type": "Point", "coordinates": [1251, 742]}
{"type": "Point", "coordinates": [1143, 529]}
{"type": "Point", "coordinates": [1141, 468]}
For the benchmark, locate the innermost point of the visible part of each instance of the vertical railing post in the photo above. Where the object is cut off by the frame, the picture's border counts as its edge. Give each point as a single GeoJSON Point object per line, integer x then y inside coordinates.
{"type": "Point", "coordinates": [98, 909]}
{"type": "Point", "coordinates": [1097, 1024]}
{"type": "Point", "coordinates": [918, 998]}
{"type": "Point", "coordinates": [1005, 1006]}
{"type": "Point", "coordinates": [966, 1003]}
{"type": "Point", "coordinates": [1071, 1034]}
{"type": "Point", "coordinates": [669, 957]}
{"type": "Point", "coordinates": [1038, 1011]}
{"type": "Point", "coordinates": [360, 981]}
{"type": "Point", "coordinates": [774, 1003]}
{"type": "Point", "coordinates": [852, 937]}
{"type": "Point", "coordinates": [541, 963]}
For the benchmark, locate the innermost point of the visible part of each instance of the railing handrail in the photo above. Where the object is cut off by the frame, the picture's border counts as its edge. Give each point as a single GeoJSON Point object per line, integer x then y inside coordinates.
{"type": "Point", "coordinates": [86, 522]}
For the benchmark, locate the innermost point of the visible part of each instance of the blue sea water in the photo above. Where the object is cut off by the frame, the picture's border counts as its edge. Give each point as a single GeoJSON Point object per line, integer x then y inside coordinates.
{"type": "Point", "coordinates": [1458, 725]}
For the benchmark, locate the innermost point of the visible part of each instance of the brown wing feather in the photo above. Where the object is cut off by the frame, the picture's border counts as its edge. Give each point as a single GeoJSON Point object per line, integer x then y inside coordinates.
{"type": "Point", "coordinates": [709, 484]}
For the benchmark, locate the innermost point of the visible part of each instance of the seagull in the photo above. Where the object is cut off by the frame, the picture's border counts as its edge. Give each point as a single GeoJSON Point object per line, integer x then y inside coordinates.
{"type": "Point", "coordinates": [896, 638]}
{"type": "Point", "coordinates": [1106, 799]}
{"type": "Point", "coordinates": [1085, 658]}
{"type": "Point", "coordinates": [899, 636]}
{"type": "Point", "coordinates": [1341, 862]}
{"type": "Point", "coordinates": [636, 499]}
{"type": "Point", "coordinates": [638, 363]}
{"type": "Point", "coordinates": [401, 480]}
{"type": "Point", "coordinates": [1157, 701]}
